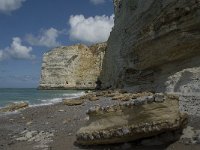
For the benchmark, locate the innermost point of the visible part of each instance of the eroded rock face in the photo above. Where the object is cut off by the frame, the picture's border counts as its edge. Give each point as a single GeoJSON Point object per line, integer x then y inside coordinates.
{"type": "Point", "coordinates": [154, 46]}
{"type": "Point", "coordinates": [143, 117]}
{"type": "Point", "coordinates": [72, 67]}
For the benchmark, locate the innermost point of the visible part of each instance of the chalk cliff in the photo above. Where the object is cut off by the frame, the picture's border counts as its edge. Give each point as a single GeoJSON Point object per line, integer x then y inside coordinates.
{"type": "Point", "coordinates": [155, 45]}
{"type": "Point", "coordinates": [72, 67]}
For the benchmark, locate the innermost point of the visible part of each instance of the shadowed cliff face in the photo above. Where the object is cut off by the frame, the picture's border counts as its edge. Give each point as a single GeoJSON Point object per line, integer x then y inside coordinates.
{"type": "Point", "coordinates": [154, 46]}
{"type": "Point", "coordinates": [73, 67]}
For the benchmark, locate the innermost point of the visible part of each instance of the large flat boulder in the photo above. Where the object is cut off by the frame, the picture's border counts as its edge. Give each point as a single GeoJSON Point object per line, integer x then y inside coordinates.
{"type": "Point", "coordinates": [139, 118]}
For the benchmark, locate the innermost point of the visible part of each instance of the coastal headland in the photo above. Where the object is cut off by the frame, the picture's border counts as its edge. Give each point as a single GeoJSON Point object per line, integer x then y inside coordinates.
{"type": "Point", "coordinates": [148, 73]}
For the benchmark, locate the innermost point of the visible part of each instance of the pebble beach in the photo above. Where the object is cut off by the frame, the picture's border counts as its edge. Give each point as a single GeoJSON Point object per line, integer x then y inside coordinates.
{"type": "Point", "coordinates": [54, 127]}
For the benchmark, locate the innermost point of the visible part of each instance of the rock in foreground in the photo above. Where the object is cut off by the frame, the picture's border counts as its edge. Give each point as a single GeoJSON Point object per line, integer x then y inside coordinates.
{"type": "Point", "coordinates": [140, 118]}
{"type": "Point", "coordinates": [14, 107]}
{"type": "Point", "coordinates": [73, 102]}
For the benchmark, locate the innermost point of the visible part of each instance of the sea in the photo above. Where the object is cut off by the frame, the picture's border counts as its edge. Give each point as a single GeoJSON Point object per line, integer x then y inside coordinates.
{"type": "Point", "coordinates": [36, 97]}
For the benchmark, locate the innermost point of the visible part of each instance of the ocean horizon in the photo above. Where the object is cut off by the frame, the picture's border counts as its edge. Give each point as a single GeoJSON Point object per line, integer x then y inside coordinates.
{"type": "Point", "coordinates": [36, 97]}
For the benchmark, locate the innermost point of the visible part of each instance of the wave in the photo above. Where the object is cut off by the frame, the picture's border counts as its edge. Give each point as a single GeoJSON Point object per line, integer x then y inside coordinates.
{"type": "Point", "coordinates": [45, 102]}
{"type": "Point", "coordinates": [73, 95]}
{"type": "Point", "coordinates": [52, 101]}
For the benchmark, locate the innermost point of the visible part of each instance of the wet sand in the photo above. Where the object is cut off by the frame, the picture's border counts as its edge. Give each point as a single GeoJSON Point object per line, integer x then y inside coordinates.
{"type": "Point", "coordinates": [53, 127]}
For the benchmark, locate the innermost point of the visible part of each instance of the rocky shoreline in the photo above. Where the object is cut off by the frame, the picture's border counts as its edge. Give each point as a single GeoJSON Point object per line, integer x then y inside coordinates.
{"type": "Point", "coordinates": [153, 46]}
{"type": "Point", "coordinates": [55, 126]}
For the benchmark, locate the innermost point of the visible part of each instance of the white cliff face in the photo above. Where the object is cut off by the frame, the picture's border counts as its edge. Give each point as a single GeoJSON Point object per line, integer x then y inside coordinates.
{"type": "Point", "coordinates": [72, 67]}
{"type": "Point", "coordinates": [154, 46]}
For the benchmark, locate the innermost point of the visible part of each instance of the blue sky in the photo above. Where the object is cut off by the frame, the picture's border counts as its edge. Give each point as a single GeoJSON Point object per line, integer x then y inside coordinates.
{"type": "Point", "coordinates": [29, 28]}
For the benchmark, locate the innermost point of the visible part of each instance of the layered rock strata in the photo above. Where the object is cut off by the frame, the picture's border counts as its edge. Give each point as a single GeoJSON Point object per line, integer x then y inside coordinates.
{"type": "Point", "coordinates": [143, 117]}
{"type": "Point", "coordinates": [154, 46]}
{"type": "Point", "coordinates": [72, 67]}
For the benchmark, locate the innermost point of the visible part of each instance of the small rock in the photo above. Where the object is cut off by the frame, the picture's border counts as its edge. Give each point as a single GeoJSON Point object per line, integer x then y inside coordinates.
{"type": "Point", "coordinates": [23, 132]}
{"type": "Point", "coordinates": [190, 136]}
{"type": "Point", "coordinates": [21, 139]}
{"type": "Point", "coordinates": [122, 91]}
{"type": "Point", "coordinates": [118, 97]}
{"type": "Point", "coordinates": [150, 99]}
{"type": "Point", "coordinates": [93, 98]}
{"type": "Point", "coordinates": [73, 102]}
{"type": "Point", "coordinates": [28, 135]}
{"type": "Point", "coordinates": [87, 118]}
{"type": "Point", "coordinates": [69, 134]}
{"type": "Point", "coordinates": [159, 97]}
{"type": "Point", "coordinates": [29, 123]}
{"type": "Point", "coordinates": [60, 110]}
{"type": "Point", "coordinates": [64, 121]}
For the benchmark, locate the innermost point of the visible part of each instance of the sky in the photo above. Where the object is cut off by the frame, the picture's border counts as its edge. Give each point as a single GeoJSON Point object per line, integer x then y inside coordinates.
{"type": "Point", "coordinates": [29, 28]}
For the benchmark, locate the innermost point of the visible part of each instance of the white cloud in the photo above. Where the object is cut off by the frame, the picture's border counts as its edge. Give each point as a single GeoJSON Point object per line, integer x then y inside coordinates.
{"type": "Point", "coordinates": [47, 38]}
{"type": "Point", "coordinates": [7, 6]}
{"type": "Point", "coordinates": [16, 50]}
{"type": "Point", "coordinates": [96, 2]}
{"type": "Point", "coordinates": [90, 30]}
{"type": "Point", "coordinates": [1, 55]}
